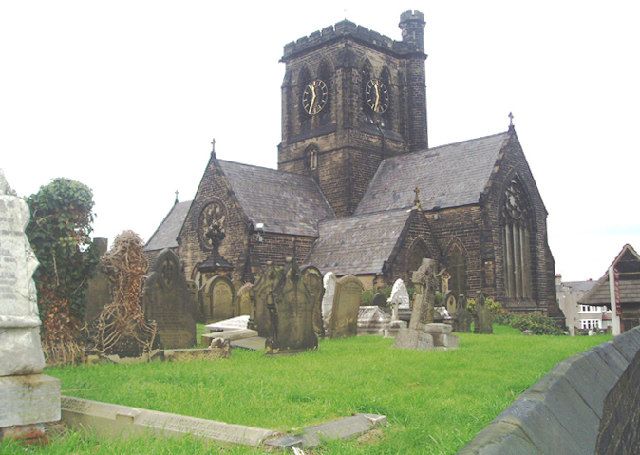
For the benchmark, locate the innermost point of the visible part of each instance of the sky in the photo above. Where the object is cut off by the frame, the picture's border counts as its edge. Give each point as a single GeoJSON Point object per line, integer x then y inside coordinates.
{"type": "Point", "coordinates": [126, 96]}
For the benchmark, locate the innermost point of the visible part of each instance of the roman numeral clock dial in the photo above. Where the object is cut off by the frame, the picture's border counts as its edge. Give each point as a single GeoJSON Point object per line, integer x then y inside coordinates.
{"type": "Point", "coordinates": [315, 97]}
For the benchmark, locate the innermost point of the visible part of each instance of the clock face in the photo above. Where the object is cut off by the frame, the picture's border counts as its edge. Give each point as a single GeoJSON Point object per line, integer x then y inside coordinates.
{"type": "Point", "coordinates": [377, 96]}
{"type": "Point", "coordinates": [210, 221]}
{"type": "Point", "coordinates": [315, 97]}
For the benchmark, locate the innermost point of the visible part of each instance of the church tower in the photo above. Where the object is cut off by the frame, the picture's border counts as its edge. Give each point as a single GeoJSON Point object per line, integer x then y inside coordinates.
{"type": "Point", "coordinates": [352, 97]}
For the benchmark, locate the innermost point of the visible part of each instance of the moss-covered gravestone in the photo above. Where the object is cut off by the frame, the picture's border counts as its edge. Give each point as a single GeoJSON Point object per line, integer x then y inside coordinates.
{"type": "Point", "coordinates": [218, 299]}
{"type": "Point", "coordinates": [263, 292]}
{"type": "Point", "coordinates": [292, 311]}
{"type": "Point", "coordinates": [483, 321]}
{"type": "Point", "coordinates": [168, 301]}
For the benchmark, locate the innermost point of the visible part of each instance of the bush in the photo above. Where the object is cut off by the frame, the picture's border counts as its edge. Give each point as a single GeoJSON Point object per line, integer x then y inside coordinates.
{"type": "Point", "coordinates": [536, 323]}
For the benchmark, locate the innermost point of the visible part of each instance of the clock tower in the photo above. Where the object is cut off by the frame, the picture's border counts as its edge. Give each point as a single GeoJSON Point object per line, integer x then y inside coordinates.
{"type": "Point", "coordinates": [352, 97]}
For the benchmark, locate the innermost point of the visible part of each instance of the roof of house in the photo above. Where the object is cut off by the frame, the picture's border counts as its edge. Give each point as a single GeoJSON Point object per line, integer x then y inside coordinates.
{"type": "Point", "coordinates": [627, 263]}
{"type": "Point", "coordinates": [448, 176]}
{"type": "Point", "coordinates": [285, 203]}
{"type": "Point", "coordinates": [358, 245]}
{"type": "Point", "coordinates": [167, 233]}
{"type": "Point", "coordinates": [580, 286]}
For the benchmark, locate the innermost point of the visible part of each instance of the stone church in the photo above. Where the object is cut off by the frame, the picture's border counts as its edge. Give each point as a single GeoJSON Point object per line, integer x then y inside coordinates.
{"type": "Point", "coordinates": [359, 191]}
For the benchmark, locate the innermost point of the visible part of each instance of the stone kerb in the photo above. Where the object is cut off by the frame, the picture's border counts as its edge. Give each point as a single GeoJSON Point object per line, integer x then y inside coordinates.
{"type": "Point", "coordinates": [562, 412]}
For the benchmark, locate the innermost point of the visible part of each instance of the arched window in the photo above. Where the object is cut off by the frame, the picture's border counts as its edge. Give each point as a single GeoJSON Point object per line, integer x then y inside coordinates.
{"type": "Point", "coordinates": [457, 267]}
{"type": "Point", "coordinates": [516, 242]}
{"type": "Point", "coordinates": [325, 73]}
{"type": "Point", "coordinates": [312, 157]}
{"type": "Point", "coordinates": [365, 76]}
{"type": "Point", "coordinates": [304, 79]}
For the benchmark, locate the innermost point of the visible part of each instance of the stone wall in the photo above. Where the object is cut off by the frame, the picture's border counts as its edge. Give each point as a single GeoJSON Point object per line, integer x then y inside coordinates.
{"type": "Point", "coordinates": [588, 404]}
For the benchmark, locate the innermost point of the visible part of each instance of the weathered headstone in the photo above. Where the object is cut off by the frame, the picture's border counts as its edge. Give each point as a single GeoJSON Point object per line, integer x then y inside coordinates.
{"type": "Point", "coordinates": [98, 287]}
{"type": "Point", "coordinates": [313, 283]}
{"type": "Point", "coordinates": [244, 299]}
{"type": "Point", "coordinates": [425, 281]}
{"type": "Point", "coordinates": [218, 299]}
{"type": "Point", "coordinates": [27, 398]}
{"type": "Point", "coordinates": [419, 335]}
{"type": "Point", "coordinates": [291, 312]}
{"type": "Point", "coordinates": [483, 321]}
{"type": "Point", "coordinates": [463, 318]}
{"type": "Point", "coordinates": [263, 293]}
{"type": "Point", "coordinates": [167, 300]}
{"type": "Point", "coordinates": [346, 301]}
{"type": "Point", "coordinates": [372, 320]}
{"type": "Point", "coordinates": [329, 282]}
{"type": "Point", "coordinates": [379, 300]}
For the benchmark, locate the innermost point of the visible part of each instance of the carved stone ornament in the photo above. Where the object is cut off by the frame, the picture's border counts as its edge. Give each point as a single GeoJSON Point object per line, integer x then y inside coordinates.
{"type": "Point", "coordinates": [211, 225]}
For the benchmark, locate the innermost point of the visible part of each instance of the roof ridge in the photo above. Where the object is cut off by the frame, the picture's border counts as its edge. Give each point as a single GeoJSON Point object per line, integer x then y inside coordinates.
{"type": "Point", "coordinates": [364, 215]}
{"type": "Point", "coordinates": [267, 168]}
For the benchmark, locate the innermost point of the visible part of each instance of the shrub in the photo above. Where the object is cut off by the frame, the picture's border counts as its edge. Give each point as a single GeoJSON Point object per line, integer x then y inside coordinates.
{"type": "Point", "coordinates": [536, 323]}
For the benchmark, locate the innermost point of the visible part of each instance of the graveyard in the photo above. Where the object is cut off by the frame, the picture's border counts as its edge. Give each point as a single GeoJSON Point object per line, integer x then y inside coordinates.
{"type": "Point", "coordinates": [435, 402]}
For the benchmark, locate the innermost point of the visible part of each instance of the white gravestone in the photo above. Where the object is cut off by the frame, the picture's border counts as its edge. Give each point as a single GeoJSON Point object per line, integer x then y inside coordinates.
{"type": "Point", "coordinates": [26, 396]}
{"type": "Point", "coordinates": [399, 298]}
{"type": "Point", "coordinates": [329, 282]}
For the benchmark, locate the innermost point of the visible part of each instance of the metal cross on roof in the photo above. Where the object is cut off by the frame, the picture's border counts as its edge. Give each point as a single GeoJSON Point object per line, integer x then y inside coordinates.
{"type": "Point", "coordinates": [510, 118]}
{"type": "Point", "coordinates": [177, 194]}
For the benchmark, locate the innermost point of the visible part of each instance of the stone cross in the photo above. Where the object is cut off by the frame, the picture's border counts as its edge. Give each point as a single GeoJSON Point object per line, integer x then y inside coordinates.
{"type": "Point", "coordinates": [416, 202]}
{"type": "Point", "coordinates": [445, 281]}
{"type": "Point", "coordinates": [510, 118]}
{"type": "Point", "coordinates": [426, 283]}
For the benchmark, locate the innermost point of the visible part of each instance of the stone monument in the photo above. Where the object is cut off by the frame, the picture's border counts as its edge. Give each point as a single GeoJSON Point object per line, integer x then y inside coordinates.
{"type": "Point", "coordinates": [463, 318]}
{"type": "Point", "coordinates": [218, 299]}
{"type": "Point", "coordinates": [483, 321]}
{"type": "Point", "coordinates": [28, 399]}
{"type": "Point", "coordinates": [313, 283]}
{"type": "Point", "coordinates": [263, 292]}
{"type": "Point", "coordinates": [422, 333]}
{"type": "Point", "coordinates": [399, 299]}
{"type": "Point", "coordinates": [98, 293]}
{"type": "Point", "coordinates": [291, 311]}
{"type": "Point", "coordinates": [329, 282]}
{"type": "Point", "coordinates": [344, 313]}
{"type": "Point", "coordinates": [244, 299]}
{"type": "Point", "coordinates": [167, 300]}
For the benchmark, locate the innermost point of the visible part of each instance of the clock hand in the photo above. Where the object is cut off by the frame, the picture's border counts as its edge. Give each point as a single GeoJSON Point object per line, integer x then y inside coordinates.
{"type": "Point", "coordinates": [313, 97]}
{"type": "Point", "coordinates": [377, 103]}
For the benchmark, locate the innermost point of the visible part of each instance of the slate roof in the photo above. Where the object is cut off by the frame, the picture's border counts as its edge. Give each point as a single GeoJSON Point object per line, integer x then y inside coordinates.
{"type": "Point", "coordinates": [580, 286]}
{"type": "Point", "coordinates": [286, 203]}
{"type": "Point", "coordinates": [448, 176]}
{"type": "Point", "coordinates": [358, 245]}
{"type": "Point", "coordinates": [167, 233]}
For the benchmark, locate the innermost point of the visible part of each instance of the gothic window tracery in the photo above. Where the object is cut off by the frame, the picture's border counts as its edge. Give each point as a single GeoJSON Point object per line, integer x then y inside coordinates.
{"type": "Point", "coordinates": [516, 242]}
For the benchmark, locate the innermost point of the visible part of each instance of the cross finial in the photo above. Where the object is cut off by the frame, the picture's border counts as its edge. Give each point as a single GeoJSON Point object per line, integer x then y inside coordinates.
{"type": "Point", "coordinates": [416, 202]}
{"type": "Point", "coordinates": [213, 147]}
{"type": "Point", "coordinates": [510, 120]}
{"type": "Point", "coordinates": [177, 195]}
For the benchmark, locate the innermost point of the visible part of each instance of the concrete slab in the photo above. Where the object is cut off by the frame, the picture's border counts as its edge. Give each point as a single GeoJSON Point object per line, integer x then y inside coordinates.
{"type": "Point", "coordinates": [230, 335]}
{"type": "Point", "coordinates": [237, 323]}
{"type": "Point", "coordinates": [29, 399]}
{"type": "Point", "coordinates": [121, 421]}
{"type": "Point", "coordinates": [252, 344]}
{"type": "Point", "coordinates": [344, 428]}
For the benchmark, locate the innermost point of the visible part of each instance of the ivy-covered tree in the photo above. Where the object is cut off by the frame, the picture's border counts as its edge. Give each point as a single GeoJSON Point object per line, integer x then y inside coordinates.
{"type": "Point", "coordinates": [59, 232]}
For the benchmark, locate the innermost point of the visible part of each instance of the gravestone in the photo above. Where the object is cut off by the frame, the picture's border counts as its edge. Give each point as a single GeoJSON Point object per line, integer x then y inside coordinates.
{"type": "Point", "coordinates": [167, 300]}
{"type": "Point", "coordinates": [344, 313]}
{"type": "Point", "coordinates": [329, 282]}
{"type": "Point", "coordinates": [462, 321]}
{"type": "Point", "coordinates": [483, 321]}
{"type": "Point", "coordinates": [263, 292]}
{"type": "Point", "coordinates": [313, 283]}
{"type": "Point", "coordinates": [291, 311]}
{"type": "Point", "coordinates": [372, 320]}
{"type": "Point", "coordinates": [218, 299]}
{"type": "Point", "coordinates": [379, 300]}
{"type": "Point", "coordinates": [27, 398]}
{"type": "Point", "coordinates": [244, 299]}
{"type": "Point", "coordinates": [425, 281]}
{"type": "Point", "coordinates": [98, 287]}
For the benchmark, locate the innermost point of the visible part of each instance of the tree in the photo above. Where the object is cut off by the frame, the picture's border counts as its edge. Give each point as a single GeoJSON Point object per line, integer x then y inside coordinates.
{"type": "Point", "coordinates": [59, 232]}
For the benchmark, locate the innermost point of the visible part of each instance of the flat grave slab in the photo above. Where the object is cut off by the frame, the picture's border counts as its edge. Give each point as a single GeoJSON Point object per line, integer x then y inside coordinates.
{"type": "Point", "coordinates": [252, 344]}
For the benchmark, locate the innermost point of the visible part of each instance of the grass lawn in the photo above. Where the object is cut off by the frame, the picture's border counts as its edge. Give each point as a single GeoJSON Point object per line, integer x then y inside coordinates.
{"type": "Point", "coordinates": [435, 402]}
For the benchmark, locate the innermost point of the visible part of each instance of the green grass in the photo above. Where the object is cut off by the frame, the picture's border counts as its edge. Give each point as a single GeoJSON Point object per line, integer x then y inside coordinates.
{"type": "Point", "coordinates": [435, 402]}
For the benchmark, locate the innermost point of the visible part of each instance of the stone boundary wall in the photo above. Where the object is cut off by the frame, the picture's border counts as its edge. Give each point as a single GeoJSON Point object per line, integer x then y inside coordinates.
{"type": "Point", "coordinates": [585, 399]}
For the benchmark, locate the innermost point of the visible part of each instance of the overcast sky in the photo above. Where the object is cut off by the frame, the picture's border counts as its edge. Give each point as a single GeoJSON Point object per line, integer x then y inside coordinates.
{"type": "Point", "coordinates": [126, 96]}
